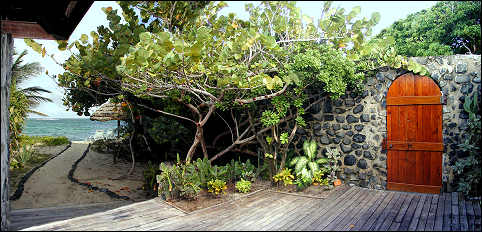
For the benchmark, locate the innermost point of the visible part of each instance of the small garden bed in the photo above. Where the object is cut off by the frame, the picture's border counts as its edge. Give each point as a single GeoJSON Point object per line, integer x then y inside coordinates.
{"type": "Point", "coordinates": [206, 199]}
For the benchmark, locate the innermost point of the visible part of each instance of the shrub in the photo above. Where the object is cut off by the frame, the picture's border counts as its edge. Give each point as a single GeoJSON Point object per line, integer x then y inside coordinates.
{"type": "Point", "coordinates": [203, 167]}
{"type": "Point", "coordinates": [318, 178]}
{"type": "Point", "coordinates": [44, 140]}
{"type": "Point", "coordinates": [285, 176]}
{"type": "Point", "coordinates": [307, 165]}
{"type": "Point", "coordinates": [242, 170]}
{"type": "Point", "coordinates": [467, 169]}
{"type": "Point", "coordinates": [178, 181]}
{"type": "Point", "coordinates": [217, 187]}
{"type": "Point", "coordinates": [150, 183]}
{"type": "Point", "coordinates": [243, 186]}
{"type": "Point", "coordinates": [21, 157]}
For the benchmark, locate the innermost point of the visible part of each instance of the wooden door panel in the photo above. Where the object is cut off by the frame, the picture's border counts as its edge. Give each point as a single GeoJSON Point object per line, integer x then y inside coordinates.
{"type": "Point", "coordinates": [414, 135]}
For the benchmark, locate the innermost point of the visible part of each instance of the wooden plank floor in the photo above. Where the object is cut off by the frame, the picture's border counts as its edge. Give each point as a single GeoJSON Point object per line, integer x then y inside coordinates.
{"type": "Point", "coordinates": [348, 208]}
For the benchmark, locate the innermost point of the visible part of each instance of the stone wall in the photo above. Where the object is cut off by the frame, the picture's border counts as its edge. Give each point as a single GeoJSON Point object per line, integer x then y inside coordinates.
{"type": "Point", "coordinates": [355, 124]}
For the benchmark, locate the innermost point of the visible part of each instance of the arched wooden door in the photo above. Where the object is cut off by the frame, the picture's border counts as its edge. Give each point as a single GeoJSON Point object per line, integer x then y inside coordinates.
{"type": "Point", "coordinates": [414, 135]}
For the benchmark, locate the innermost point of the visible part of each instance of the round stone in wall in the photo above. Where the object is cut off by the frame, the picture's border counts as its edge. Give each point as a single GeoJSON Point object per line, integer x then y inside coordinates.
{"type": "Point", "coordinates": [358, 109]}
{"type": "Point", "coordinates": [351, 119]}
{"type": "Point", "coordinates": [349, 160]}
{"type": "Point", "coordinates": [359, 138]}
{"type": "Point", "coordinates": [368, 155]}
{"type": "Point", "coordinates": [359, 127]}
{"type": "Point", "coordinates": [362, 164]}
{"type": "Point", "coordinates": [345, 149]}
{"type": "Point", "coordinates": [324, 140]}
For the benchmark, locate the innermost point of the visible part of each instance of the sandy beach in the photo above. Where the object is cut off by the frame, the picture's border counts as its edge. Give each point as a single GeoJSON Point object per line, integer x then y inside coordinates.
{"type": "Point", "coordinates": [50, 187]}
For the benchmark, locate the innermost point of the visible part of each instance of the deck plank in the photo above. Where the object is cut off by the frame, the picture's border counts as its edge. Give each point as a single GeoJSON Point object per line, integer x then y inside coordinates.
{"type": "Point", "coordinates": [347, 213]}
{"type": "Point", "coordinates": [373, 214]}
{"type": "Point", "coordinates": [348, 208]}
{"type": "Point", "coordinates": [470, 215]}
{"type": "Point", "coordinates": [464, 223]}
{"type": "Point", "coordinates": [432, 213]}
{"type": "Point", "coordinates": [403, 210]}
{"type": "Point", "coordinates": [477, 216]}
{"type": "Point", "coordinates": [417, 216]}
{"type": "Point", "coordinates": [386, 211]}
{"type": "Point", "coordinates": [455, 225]}
{"type": "Point", "coordinates": [329, 216]}
{"type": "Point", "coordinates": [318, 207]}
{"type": "Point", "coordinates": [368, 209]}
{"type": "Point", "coordinates": [447, 212]}
{"type": "Point", "coordinates": [393, 211]}
{"type": "Point", "coordinates": [409, 216]}
{"type": "Point", "coordinates": [439, 216]}
{"type": "Point", "coordinates": [422, 222]}
{"type": "Point", "coordinates": [307, 218]}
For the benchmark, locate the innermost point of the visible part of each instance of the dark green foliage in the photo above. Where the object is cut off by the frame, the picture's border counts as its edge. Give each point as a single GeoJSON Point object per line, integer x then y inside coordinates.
{"type": "Point", "coordinates": [450, 27]}
{"type": "Point", "coordinates": [467, 169]}
{"type": "Point", "coordinates": [240, 170]}
{"type": "Point", "coordinates": [178, 181]}
{"type": "Point", "coordinates": [150, 173]}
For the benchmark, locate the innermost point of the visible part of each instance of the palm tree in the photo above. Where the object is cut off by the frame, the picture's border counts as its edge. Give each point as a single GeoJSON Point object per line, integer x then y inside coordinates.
{"type": "Point", "coordinates": [22, 72]}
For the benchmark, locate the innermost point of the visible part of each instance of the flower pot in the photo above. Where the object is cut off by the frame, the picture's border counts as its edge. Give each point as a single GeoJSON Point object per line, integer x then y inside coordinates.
{"type": "Point", "coordinates": [337, 182]}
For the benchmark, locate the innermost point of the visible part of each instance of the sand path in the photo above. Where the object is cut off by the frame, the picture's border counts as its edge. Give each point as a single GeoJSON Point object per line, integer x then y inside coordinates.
{"type": "Point", "coordinates": [50, 187]}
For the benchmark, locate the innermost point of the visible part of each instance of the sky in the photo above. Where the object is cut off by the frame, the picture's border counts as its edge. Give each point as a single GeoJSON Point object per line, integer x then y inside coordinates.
{"type": "Point", "coordinates": [390, 12]}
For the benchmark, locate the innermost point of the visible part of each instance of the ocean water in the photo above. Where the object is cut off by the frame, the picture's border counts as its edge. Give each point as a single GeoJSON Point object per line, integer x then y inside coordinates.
{"type": "Point", "coordinates": [76, 129]}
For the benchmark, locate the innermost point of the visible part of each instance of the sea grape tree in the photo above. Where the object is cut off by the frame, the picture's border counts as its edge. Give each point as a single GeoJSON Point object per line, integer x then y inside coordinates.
{"type": "Point", "coordinates": [183, 60]}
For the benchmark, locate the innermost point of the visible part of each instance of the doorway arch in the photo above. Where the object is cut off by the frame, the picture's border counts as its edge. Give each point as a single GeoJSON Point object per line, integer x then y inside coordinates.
{"type": "Point", "coordinates": [414, 135]}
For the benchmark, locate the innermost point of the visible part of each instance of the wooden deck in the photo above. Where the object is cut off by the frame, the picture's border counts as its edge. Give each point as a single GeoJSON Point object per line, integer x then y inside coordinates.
{"type": "Point", "coordinates": [348, 208]}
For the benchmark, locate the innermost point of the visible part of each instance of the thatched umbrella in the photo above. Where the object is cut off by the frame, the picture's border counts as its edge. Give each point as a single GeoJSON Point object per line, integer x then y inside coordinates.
{"type": "Point", "coordinates": [109, 111]}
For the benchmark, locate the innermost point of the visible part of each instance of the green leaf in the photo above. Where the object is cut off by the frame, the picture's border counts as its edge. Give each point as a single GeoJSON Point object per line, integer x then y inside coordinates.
{"type": "Point", "coordinates": [302, 161]}
{"type": "Point", "coordinates": [84, 38]}
{"type": "Point", "coordinates": [375, 17]}
{"type": "Point", "coordinates": [34, 45]}
{"type": "Point", "coordinates": [145, 36]}
{"type": "Point", "coordinates": [62, 44]}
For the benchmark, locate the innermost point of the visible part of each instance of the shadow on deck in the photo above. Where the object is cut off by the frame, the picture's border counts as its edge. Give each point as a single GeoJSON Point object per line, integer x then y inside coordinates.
{"type": "Point", "coordinates": [348, 208]}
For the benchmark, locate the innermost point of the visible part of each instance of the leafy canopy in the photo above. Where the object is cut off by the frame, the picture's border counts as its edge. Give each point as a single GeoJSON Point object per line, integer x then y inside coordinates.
{"type": "Point", "coordinates": [449, 27]}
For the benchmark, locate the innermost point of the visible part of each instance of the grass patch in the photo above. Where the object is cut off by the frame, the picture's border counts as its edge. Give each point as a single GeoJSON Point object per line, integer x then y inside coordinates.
{"type": "Point", "coordinates": [43, 140]}
{"type": "Point", "coordinates": [17, 173]}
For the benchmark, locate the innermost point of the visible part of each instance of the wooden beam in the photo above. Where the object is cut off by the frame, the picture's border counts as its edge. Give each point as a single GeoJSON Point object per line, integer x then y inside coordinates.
{"type": "Point", "coordinates": [414, 100]}
{"type": "Point", "coordinates": [21, 29]}
{"type": "Point", "coordinates": [6, 66]}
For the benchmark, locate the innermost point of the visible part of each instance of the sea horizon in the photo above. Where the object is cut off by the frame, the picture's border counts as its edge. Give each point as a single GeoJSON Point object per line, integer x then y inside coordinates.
{"type": "Point", "coordinates": [75, 129]}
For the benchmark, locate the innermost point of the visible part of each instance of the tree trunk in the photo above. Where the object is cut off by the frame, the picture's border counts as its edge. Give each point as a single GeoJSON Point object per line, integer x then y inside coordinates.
{"type": "Point", "coordinates": [192, 149]}
{"type": "Point", "coordinates": [6, 66]}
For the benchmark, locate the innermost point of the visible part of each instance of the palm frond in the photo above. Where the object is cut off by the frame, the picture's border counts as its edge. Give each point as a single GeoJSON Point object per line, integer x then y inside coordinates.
{"type": "Point", "coordinates": [21, 72]}
{"type": "Point", "coordinates": [34, 90]}
{"type": "Point", "coordinates": [37, 113]}
{"type": "Point", "coordinates": [35, 100]}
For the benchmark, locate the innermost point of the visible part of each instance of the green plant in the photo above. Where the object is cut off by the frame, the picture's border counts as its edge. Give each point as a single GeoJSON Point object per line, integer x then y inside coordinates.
{"type": "Point", "coordinates": [240, 170]}
{"type": "Point", "coordinates": [285, 176]}
{"type": "Point", "coordinates": [217, 187]}
{"type": "Point", "coordinates": [24, 155]}
{"type": "Point", "coordinates": [243, 186]}
{"type": "Point", "coordinates": [332, 165]}
{"type": "Point", "coordinates": [318, 178]}
{"type": "Point", "coordinates": [219, 172]}
{"type": "Point", "coordinates": [303, 181]}
{"type": "Point", "coordinates": [203, 167]}
{"type": "Point", "coordinates": [307, 165]}
{"type": "Point", "coordinates": [150, 183]}
{"type": "Point", "coordinates": [178, 181]}
{"type": "Point", "coordinates": [467, 169]}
